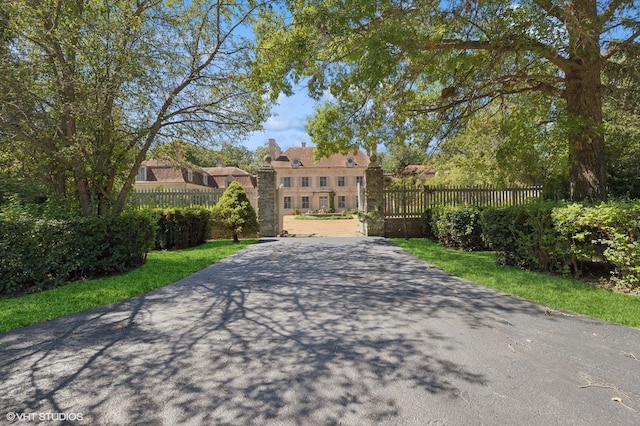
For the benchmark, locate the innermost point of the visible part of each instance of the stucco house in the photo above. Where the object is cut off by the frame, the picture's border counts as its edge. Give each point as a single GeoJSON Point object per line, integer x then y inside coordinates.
{"type": "Point", "coordinates": [307, 186]}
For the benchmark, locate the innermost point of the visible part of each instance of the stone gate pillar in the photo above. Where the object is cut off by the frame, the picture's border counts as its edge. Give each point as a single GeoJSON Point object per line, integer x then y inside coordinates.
{"type": "Point", "coordinates": [267, 200]}
{"type": "Point", "coordinates": [374, 199]}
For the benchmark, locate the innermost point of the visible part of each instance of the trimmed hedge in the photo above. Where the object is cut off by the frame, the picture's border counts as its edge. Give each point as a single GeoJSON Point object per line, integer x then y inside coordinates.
{"type": "Point", "coordinates": [524, 236]}
{"type": "Point", "coordinates": [608, 232]}
{"type": "Point", "coordinates": [548, 236]}
{"type": "Point", "coordinates": [568, 238]}
{"type": "Point", "coordinates": [37, 253]}
{"type": "Point", "coordinates": [179, 228]}
{"type": "Point", "coordinates": [457, 227]}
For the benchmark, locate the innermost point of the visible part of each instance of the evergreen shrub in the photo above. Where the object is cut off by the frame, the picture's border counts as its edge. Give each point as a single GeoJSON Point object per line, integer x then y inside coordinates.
{"type": "Point", "coordinates": [38, 253]}
{"type": "Point", "coordinates": [234, 212]}
{"type": "Point", "coordinates": [524, 236]}
{"type": "Point", "coordinates": [457, 227]}
{"type": "Point", "coordinates": [179, 228]}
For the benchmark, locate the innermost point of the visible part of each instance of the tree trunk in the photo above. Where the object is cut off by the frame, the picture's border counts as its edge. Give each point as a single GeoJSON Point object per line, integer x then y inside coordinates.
{"type": "Point", "coordinates": [59, 183]}
{"type": "Point", "coordinates": [84, 195]}
{"type": "Point", "coordinates": [587, 160]}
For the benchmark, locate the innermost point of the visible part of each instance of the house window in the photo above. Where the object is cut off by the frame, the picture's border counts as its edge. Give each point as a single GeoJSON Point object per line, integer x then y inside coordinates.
{"type": "Point", "coordinates": [190, 175]}
{"type": "Point", "coordinates": [342, 201]}
{"type": "Point", "coordinates": [341, 181]}
{"type": "Point", "coordinates": [305, 202]}
{"type": "Point", "coordinates": [286, 182]}
{"type": "Point", "coordinates": [205, 179]}
{"type": "Point", "coordinates": [142, 173]}
{"type": "Point", "coordinates": [359, 180]}
{"type": "Point", "coordinates": [287, 202]}
{"type": "Point", "coordinates": [304, 182]}
{"type": "Point", "coordinates": [323, 181]}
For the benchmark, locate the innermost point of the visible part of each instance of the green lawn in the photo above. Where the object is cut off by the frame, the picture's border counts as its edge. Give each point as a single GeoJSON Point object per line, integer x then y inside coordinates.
{"type": "Point", "coordinates": [554, 292]}
{"type": "Point", "coordinates": [161, 268]}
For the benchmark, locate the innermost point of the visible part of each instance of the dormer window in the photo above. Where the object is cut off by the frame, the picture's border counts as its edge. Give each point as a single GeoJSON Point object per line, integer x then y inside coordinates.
{"type": "Point", "coordinates": [350, 162]}
{"type": "Point", "coordinates": [189, 175]}
{"type": "Point", "coordinates": [205, 179]}
{"type": "Point", "coordinates": [142, 173]}
{"type": "Point", "coordinates": [296, 163]}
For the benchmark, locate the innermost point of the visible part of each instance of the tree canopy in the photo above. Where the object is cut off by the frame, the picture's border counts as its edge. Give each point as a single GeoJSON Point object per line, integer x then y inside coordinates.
{"type": "Point", "coordinates": [418, 70]}
{"type": "Point", "coordinates": [227, 153]}
{"type": "Point", "coordinates": [89, 86]}
{"type": "Point", "coordinates": [505, 146]}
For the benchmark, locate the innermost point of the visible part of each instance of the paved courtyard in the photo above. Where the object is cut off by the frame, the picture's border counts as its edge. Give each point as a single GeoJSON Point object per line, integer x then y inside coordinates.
{"type": "Point", "coordinates": [323, 331]}
{"type": "Point", "coordinates": [321, 228]}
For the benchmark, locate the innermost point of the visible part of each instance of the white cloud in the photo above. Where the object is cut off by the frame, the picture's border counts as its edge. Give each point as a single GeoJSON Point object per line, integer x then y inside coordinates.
{"type": "Point", "coordinates": [284, 123]}
{"type": "Point", "coordinates": [287, 124]}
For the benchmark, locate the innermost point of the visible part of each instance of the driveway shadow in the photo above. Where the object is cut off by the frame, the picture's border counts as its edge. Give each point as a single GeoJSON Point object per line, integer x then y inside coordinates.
{"type": "Point", "coordinates": [287, 332]}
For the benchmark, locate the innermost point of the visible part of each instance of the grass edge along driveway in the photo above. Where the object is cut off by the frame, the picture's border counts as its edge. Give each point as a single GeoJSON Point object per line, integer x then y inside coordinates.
{"type": "Point", "coordinates": [165, 267]}
{"type": "Point", "coordinates": [160, 269]}
{"type": "Point", "coordinates": [554, 292]}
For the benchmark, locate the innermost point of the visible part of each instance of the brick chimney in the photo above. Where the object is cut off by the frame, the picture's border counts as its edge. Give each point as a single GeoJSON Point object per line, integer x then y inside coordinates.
{"type": "Point", "coordinates": [304, 144]}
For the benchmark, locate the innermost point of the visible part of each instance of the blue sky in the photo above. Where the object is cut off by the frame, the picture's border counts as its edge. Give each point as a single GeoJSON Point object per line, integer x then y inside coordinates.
{"type": "Point", "coordinates": [287, 124]}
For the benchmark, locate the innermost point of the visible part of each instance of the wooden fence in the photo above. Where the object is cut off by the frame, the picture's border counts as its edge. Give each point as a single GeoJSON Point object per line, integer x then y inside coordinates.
{"type": "Point", "coordinates": [412, 202]}
{"type": "Point", "coordinates": [167, 197]}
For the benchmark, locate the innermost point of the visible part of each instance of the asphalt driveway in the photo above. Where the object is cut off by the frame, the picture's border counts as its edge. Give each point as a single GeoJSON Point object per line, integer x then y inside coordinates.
{"type": "Point", "coordinates": [319, 331]}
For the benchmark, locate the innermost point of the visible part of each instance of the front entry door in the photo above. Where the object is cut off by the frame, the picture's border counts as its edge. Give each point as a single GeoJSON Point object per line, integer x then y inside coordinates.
{"type": "Point", "coordinates": [324, 202]}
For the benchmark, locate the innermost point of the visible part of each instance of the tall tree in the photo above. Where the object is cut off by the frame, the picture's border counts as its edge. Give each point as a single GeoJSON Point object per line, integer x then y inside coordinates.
{"type": "Point", "coordinates": [621, 113]}
{"type": "Point", "coordinates": [94, 84]}
{"type": "Point", "coordinates": [430, 64]}
{"type": "Point", "coordinates": [511, 145]}
{"type": "Point", "coordinates": [398, 157]}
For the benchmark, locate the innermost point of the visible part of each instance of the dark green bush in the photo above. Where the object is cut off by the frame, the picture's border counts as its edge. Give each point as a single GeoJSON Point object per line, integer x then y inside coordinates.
{"type": "Point", "coordinates": [179, 228]}
{"type": "Point", "coordinates": [458, 227]}
{"type": "Point", "coordinates": [427, 224]}
{"type": "Point", "coordinates": [43, 253]}
{"type": "Point", "coordinates": [524, 236]}
{"type": "Point", "coordinates": [130, 237]}
{"type": "Point", "coordinates": [549, 236]}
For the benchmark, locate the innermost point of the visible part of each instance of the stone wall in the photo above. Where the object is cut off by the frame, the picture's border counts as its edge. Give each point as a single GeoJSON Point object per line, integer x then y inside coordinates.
{"type": "Point", "coordinates": [395, 228]}
{"type": "Point", "coordinates": [267, 200]}
{"type": "Point", "coordinates": [374, 199]}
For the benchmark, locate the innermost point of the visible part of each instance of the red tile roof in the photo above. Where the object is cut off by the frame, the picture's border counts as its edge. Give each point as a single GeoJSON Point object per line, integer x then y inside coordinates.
{"type": "Point", "coordinates": [171, 171]}
{"type": "Point", "coordinates": [305, 156]}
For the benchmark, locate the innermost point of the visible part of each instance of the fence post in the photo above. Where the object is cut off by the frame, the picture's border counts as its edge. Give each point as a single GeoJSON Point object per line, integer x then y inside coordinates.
{"type": "Point", "coordinates": [267, 200]}
{"type": "Point", "coordinates": [374, 199]}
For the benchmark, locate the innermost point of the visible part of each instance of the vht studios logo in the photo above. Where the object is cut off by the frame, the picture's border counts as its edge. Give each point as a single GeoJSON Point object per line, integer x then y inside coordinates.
{"type": "Point", "coordinates": [43, 417]}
